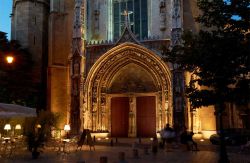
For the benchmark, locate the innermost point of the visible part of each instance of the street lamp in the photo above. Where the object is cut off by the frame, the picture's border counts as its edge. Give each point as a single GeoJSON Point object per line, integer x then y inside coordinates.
{"type": "Point", "coordinates": [67, 129]}
{"type": "Point", "coordinates": [17, 127]}
{"type": "Point", "coordinates": [7, 127]}
{"type": "Point", "coordinates": [9, 59]}
{"type": "Point", "coordinates": [38, 126]}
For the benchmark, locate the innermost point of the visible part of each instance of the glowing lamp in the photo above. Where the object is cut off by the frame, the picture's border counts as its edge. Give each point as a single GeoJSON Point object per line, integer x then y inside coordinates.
{"type": "Point", "coordinates": [67, 128]}
{"type": "Point", "coordinates": [38, 126]}
{"type": "Point", "coordinates": [18, 127]}
{"type": "Point", "coordinates": [9, 59]}
{"type": "Point", "coordinates": [7, 127]}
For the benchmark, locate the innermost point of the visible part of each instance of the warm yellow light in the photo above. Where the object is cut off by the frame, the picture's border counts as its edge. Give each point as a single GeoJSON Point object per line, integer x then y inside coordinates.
{"type": "Point", "coordinates": [38, 126]}
{"type": "Point", "coordinates": [107, 138]}
{"type": "Point", "coordinates": [151, 139]}
{"type": "Point", "coordinates": [98, 139]}
{"type": "Point", "coordinates": [7, 127]}
{"type": "Point", "coordinates": [9, 59]}
{"type": "Point", "coordinates": [18, 127]}
{"type": "Point", "coordinates": [67, 128]}
{"type": "Point", "coordinates": [202, 140]}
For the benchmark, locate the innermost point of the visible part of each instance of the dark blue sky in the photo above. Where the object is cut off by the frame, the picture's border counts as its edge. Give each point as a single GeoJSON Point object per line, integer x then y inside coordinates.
{"type": "Point", "coordinates": [5, 11]}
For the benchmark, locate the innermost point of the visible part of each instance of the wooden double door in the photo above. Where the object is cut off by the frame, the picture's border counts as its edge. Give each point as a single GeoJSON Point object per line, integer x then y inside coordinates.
{"type": "Point", "coordinates": [145, 116]}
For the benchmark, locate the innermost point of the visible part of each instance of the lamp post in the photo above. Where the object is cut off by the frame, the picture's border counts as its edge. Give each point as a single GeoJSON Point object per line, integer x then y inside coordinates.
{"type": "Point", "coordinates": [67, 129]}
{"type": "Point", "coordinates": [17, 127]}
{"type": "Point", "coordinates": [9, 59]}
{"type": "Point", "coordinates": [7, 127]}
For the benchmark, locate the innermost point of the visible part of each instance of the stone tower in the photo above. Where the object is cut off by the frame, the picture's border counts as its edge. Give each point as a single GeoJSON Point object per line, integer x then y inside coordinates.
{"type": "Point", "coordinates": [61, 18]}
{"type": "Point", "coordinates": [29, 25]}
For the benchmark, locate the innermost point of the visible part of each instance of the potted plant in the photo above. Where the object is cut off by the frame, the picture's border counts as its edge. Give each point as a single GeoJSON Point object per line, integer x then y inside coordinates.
{"type": "Point", "coordinates": [35, 140]}
{"type": "Point", "coordinates": [38, 131]}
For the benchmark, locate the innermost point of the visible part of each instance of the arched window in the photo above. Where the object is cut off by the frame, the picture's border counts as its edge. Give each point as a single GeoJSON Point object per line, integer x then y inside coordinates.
{"type": "Point", "coordinates": [138, 17]}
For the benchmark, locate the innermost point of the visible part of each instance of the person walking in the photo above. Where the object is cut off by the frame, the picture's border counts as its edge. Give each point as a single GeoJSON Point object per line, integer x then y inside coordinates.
{"type": "Point", "coordinates": [191, 144]}
{"type": "Point", "coordinates": [167, 135]}
{"type": "Point", "coordinates": [155, 145]}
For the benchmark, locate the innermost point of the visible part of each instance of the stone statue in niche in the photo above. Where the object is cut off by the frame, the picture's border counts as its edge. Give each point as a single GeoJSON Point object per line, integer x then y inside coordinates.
{"type": "Point", "coordinates": [75, 87]}
{"type": "Point", "coordinates": [131, 104]}
{"type": "Point", "coordinates": [176, 14]}
{"type": "Point", "coordinates": [131, 115]}
{"type": "Point", "coordinates": [162, 6]}
{"type": "Point", "coordinates": [178, 103]}
{"type": "Point", "coordinates": [96, 23]}
{"type": "Point", "coordinates": [162, 15]}
{"type": "Point", "coordinates": [76, 68]}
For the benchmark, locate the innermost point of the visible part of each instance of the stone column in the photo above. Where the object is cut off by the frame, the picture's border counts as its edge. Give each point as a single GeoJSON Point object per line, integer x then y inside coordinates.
{"type": "Point", "coordinates": [76, 74]}
{"type": "Point", "coordinates": [178, 74]}
{"type": "Point", "coordinates": [132, 116]}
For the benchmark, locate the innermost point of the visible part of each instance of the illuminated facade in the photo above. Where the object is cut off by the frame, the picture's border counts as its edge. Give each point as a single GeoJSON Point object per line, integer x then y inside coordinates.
{"type": "Point", "coordinates": [105, 71]}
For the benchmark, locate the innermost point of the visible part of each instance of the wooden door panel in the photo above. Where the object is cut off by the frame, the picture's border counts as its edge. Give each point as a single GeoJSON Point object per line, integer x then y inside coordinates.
{"type": "Point", "coordinates": [146, 116]}
{"type": "Point", "coordinates": [119, 116]}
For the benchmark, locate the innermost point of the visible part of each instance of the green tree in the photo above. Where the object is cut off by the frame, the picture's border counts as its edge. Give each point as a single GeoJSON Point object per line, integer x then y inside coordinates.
{"type": "Point", "coordinates": [16, 84]}
{"type": "Point", "coordinates": [218, 56]}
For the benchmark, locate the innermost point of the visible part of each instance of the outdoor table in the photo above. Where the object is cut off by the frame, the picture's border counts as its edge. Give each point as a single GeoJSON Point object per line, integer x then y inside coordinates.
{"type": "Point", "coordinates": [7, 147]}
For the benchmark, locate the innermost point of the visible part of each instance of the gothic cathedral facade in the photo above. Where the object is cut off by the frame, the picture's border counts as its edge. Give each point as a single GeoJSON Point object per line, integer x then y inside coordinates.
{"type": "Point", "coordinates": [104, 66]}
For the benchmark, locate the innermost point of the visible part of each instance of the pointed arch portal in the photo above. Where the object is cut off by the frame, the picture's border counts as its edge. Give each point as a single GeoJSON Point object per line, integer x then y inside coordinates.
{"type": "Point", "coordinates": [128, 93]}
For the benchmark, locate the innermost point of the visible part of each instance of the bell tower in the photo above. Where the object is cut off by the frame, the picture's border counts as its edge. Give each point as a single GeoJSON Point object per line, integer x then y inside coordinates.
{"type": "Point", "coordinates": [29, 25]}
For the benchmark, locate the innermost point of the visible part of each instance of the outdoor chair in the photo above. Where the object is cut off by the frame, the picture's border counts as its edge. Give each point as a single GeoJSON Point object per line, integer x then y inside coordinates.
{"type": "Point", "coordinates": [89, 141]}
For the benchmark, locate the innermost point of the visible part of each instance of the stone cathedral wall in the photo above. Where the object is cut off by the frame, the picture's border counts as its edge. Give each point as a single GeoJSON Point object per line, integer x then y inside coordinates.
{"type": "Point", "coordinates": [60, 38]}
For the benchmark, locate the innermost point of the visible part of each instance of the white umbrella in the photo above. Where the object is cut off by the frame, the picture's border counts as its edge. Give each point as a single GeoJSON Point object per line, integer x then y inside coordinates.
{"type": "Point", "coordinates": [12, 110]}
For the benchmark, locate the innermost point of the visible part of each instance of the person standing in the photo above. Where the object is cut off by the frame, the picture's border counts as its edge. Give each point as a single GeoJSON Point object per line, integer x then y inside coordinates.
{"type": "Point", "coordinates": [155, 145]}
{"type": "Point", "coordinates": [167, 135]}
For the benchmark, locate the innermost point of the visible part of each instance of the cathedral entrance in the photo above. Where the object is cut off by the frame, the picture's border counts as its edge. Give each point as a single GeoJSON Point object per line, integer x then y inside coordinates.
{"type": "Point", "coordinates": [128, 93]}
{"type": "Point", "coordinates": [119, 116]}
{"type": "Point", "coordinates": [145, 116]}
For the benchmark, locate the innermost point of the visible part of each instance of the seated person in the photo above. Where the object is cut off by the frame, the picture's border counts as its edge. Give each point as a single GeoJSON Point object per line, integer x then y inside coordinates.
{"type": "Point", "coordinates": [245, 146]}
{"type": "Point", "coordinates": [191, 144]}
{"type": "Point", "coordinates": [167, 135]}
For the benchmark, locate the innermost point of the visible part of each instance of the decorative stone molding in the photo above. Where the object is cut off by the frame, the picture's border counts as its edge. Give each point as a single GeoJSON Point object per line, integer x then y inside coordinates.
{"type": "Point", "coordinates": [76, 71]}
{"type": "Point", "coordinates": [102, 72]}
{"type": "Point", "coordinates": [177, 14]}
{"type": "Point", "coordinates": [163, 12]}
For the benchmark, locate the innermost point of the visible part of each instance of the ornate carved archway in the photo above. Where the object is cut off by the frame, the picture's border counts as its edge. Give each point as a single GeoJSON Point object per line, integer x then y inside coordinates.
{"type": "Point", "coordinates": [100, 79]}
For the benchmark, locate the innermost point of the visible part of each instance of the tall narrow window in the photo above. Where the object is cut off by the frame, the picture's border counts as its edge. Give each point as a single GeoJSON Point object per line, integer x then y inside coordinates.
{"type": "Point", "coordinates": [138, 17]}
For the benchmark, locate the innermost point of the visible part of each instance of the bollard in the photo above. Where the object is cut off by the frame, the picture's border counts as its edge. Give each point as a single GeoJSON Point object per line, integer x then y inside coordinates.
{"type": "Point", "coordinates": [135, 153]}
{"type": "Point", "coordinates": [111, 143]}
{"type": "Point", "coordinates": [134, 145]}
{"type": "Point", "coordinates": [139, 140]}
{"type": "Point", "coordinates": [121, 156]}
{"type": "Point", "coordinates": [94, 138]}
{"type": "Point", "coordinates": [146, 152]}
{"type": "Point", "coordinates": [103, 159]}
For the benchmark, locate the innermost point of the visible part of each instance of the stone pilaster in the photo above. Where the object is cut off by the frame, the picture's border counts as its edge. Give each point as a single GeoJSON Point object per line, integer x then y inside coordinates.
{"type": "Point", "coordinates": [76, 70]}
{"type": "Point", "coordinates": [178, 74]}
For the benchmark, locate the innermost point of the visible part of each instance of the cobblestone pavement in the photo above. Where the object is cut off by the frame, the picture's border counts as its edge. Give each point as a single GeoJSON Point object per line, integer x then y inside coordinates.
{"type": "Point", "coordinates": [208, 154]}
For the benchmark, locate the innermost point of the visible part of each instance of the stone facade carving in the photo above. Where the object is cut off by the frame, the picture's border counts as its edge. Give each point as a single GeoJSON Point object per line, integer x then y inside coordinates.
{"type": "Point", "coordinates": [178, 75]}
{"type": "Point", "coordinates": [66, 83]}
{"type": "Point", "coordinates": [103, 75]}
{"type": "Point", "coordinates": [163, 12]}
{"type": "Point", "coordinates": [177, 14]}
{"type": "Point", "coordinates": [76, 74]}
